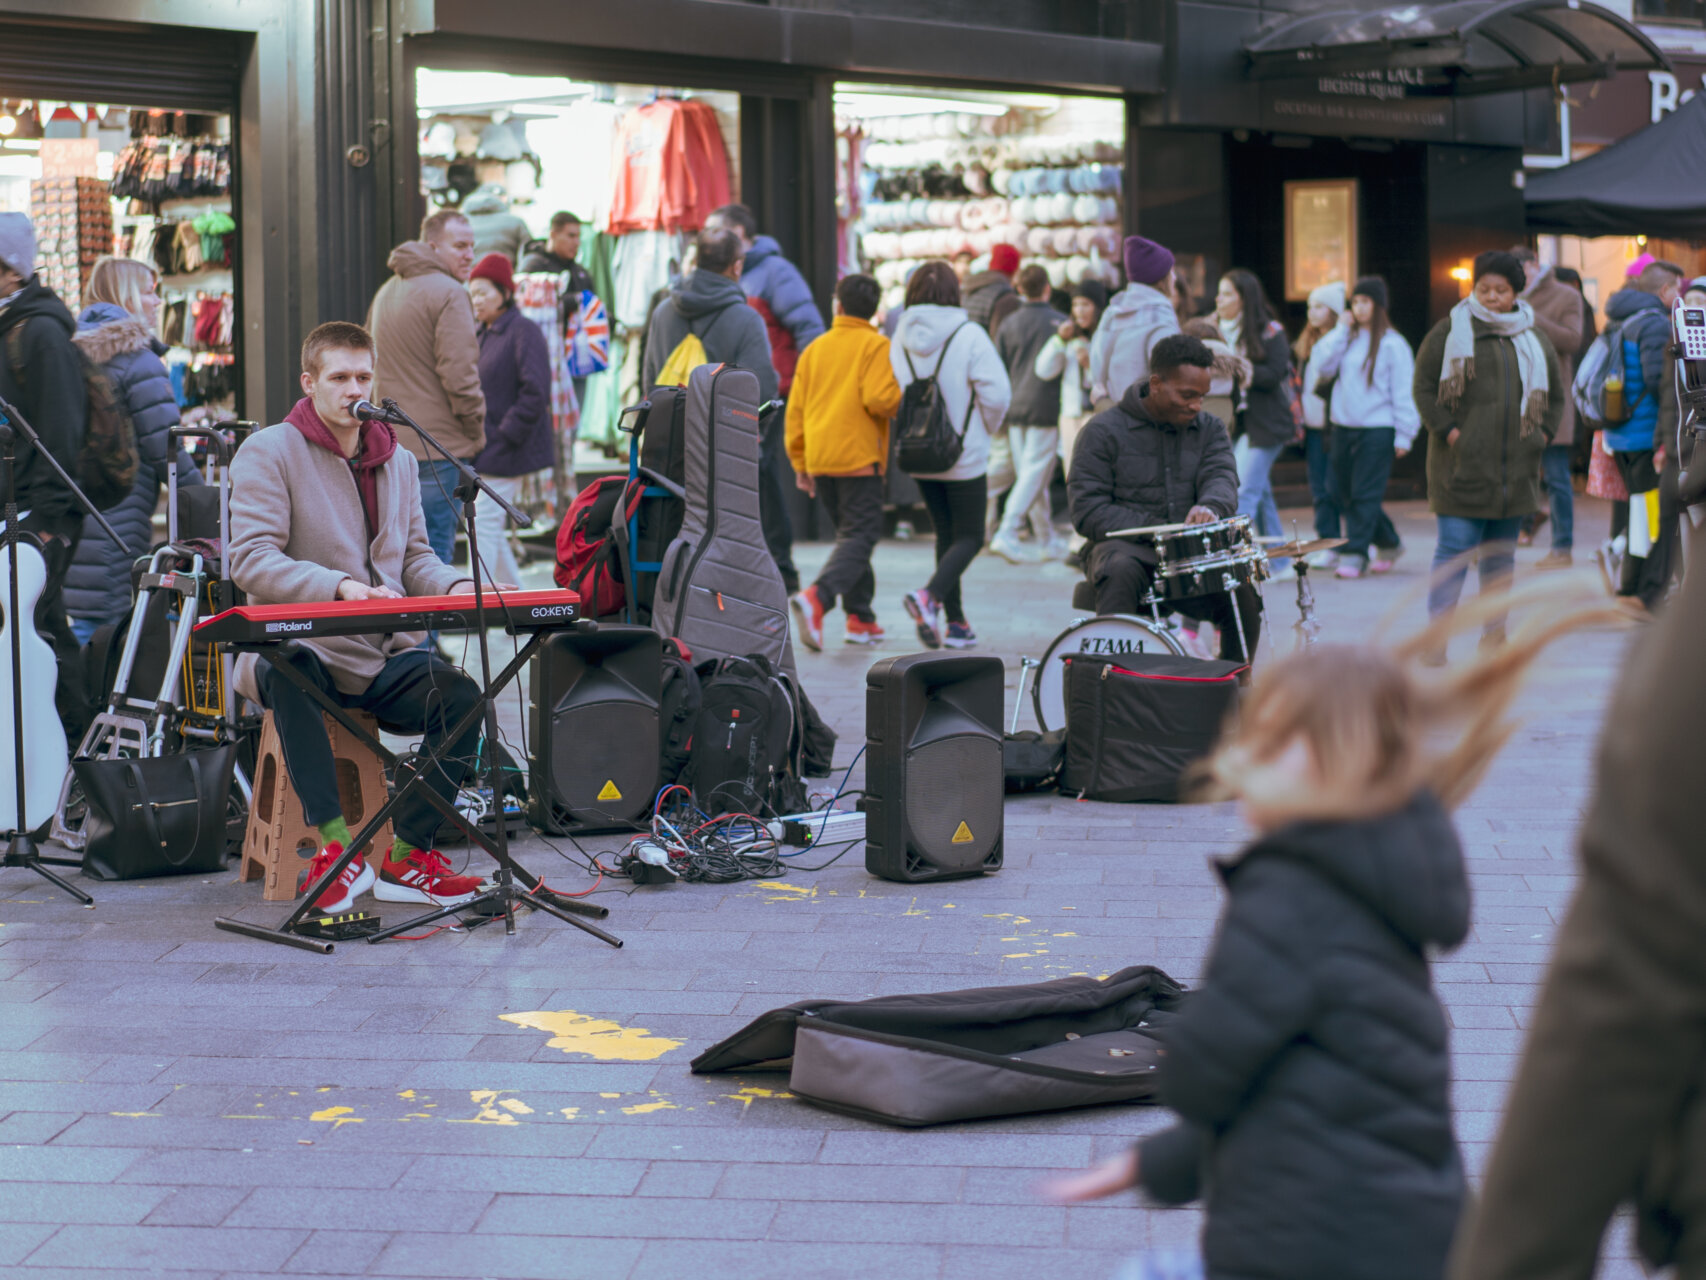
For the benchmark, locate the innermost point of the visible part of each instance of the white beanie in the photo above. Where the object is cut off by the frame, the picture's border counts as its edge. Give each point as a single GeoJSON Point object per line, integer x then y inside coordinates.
{"type": "Point", "coordinates": [18, 244]}
{"type": "Point", "coordinates": [1329, 295]}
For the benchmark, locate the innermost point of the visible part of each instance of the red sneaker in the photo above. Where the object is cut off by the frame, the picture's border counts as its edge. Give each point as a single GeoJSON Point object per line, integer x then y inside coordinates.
{"type": "Point", "coordinates": [808, 615]}
{"type": "Point", "coordinates": [862, 632]}
{"type": "Point", "coordinates": [341, 894]}
{"type": "Point", "coordinates": [425, 876]}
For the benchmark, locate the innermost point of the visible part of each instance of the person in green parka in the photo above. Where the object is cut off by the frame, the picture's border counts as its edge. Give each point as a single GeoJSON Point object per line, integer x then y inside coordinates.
{"type": "Point", "coordinates": [1490, 395]}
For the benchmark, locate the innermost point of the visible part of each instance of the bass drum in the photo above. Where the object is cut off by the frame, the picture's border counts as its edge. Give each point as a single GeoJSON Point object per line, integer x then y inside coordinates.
{"type": "Point", "coordinates": [1113, 633]}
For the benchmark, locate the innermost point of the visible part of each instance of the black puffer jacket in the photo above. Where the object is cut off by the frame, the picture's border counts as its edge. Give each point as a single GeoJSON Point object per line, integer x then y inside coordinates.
{"type": "Point", "coordinates": [1267, 418]}
{"type": "Point", "coordinates": [42, 376]}
{"type": "Point", "coordinates": [1130, 470]}
{"type": "Point", "coordinates": [1312, 1071]}
{"type": "Point", "coordinates": [98, 583]}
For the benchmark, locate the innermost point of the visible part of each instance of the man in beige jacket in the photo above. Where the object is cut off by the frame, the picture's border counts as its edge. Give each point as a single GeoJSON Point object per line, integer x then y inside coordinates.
{"type": "Point", "coordinates": [429, 360]}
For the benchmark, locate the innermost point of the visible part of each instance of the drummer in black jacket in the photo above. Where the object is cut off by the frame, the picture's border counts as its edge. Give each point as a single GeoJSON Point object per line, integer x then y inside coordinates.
{"type": "Point", "coordinates": [1154, 459]}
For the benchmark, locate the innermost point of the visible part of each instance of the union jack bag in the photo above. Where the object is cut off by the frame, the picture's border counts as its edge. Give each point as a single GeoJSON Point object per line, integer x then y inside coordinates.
{"type": "Point", "coordinates": [586, 340]}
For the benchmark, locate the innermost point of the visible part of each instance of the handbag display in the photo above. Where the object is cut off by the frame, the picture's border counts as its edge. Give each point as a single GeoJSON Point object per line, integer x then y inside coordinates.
{"type": "Point", "coordinates": [157, 815]}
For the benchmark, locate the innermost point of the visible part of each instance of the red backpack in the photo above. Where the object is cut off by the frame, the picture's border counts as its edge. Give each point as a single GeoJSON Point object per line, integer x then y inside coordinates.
{"type": "Point", "coordinates": [589, 560]}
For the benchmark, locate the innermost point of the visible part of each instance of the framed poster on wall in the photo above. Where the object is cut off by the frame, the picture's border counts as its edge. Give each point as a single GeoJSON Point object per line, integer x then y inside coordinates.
{"type": "Point", "coordinates": [1320, 235]}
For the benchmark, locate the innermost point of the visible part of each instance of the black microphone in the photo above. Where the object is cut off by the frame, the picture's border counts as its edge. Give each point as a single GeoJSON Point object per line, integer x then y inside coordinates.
{"type": "Point", "coordinates": [367, 411]}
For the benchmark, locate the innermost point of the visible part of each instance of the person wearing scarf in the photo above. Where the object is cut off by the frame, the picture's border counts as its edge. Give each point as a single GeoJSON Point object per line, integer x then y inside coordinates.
{"type": "Point", "coordinates": [1490, 395]}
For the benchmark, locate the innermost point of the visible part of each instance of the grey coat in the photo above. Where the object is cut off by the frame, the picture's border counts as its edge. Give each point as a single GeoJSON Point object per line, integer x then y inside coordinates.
{"type": "Point", "coordinates": [297, 531]}
{"type": "Point", "coordinates": [715, 308]}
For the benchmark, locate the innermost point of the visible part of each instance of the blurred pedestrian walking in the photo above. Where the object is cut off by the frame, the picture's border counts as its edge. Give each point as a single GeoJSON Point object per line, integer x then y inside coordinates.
{"type": "Point", "coordinates": [1558, 314]}
{"type": "Point", "coordinates": [1266, 423]}
{"type": "Point", "coordinates": [1032, 427]}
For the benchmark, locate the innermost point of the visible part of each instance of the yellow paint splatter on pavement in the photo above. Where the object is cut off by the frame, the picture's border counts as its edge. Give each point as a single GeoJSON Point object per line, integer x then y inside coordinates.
{"type": "Point", "coordinates": [606, 1041]}
{"type": "Point", "coordinates": [569, 1113]}
{"type": "Point", "coordinates": [133, 1115]}
{"type": "Point", "coordinates": [646, 1108]}
{"type": "Point", "coordinates": [515, 1106]}
{"type": "Point", "coordinates": [489, 1109]}
{"type": "Point", "coordinates": [610, 1095]}
{"type": "Point", "coordinates": [746, 1095]}
{"type": "Point", "coordinates": [782, 891]}
{"type": "Point", "coordinates": [337, 1116]}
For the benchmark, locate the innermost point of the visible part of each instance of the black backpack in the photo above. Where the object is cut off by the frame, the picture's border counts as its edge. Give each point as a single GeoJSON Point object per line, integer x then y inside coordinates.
{"type": "Point", "coordinates": [678, 713]}
{"type": "Point", "coordinates": [745, 754]}
{"type": "Point", "coordinates": [926, 442]}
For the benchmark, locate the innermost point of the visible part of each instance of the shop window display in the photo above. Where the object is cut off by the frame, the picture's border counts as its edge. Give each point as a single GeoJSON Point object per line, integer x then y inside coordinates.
{"type": "Point", "coordinates": [641, 166]}
{"type": "Point", "coordinates": [928, 174]}
{"type": "Point", "coordinates": [149, 183]}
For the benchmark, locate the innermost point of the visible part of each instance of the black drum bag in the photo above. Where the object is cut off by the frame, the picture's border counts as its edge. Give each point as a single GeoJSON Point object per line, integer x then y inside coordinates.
{"type": "Point", "coordinates": [960, 1055]}
{"type": "Point", "coordinates": [1136, 721]}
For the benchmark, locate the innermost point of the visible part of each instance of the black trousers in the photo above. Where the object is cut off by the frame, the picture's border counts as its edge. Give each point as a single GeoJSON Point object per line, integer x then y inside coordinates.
{"type": "Point", "coordinates": [855, 503]}
{"type": "Point", "coordinates": [1361, 460]}
{"type": "Point", "coordinates": [415, 691]}
{"type": "Point", "coordinates": [1122, 577]}
{"type": "Point", "coordinates": [956, 510]}
{"type": "Point", "coordinates": [773, 486]}
{"type": "Point", "coordinates": [1648, 577]}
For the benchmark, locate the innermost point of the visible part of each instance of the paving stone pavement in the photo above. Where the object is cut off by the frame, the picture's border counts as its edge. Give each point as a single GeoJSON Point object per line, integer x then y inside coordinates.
{"type": "Point", "coordinates": [184, 1102]}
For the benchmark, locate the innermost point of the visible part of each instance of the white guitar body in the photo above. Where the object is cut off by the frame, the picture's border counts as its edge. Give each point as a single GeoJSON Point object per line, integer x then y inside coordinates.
{"type": "Point", "coordinates": [46, 758]}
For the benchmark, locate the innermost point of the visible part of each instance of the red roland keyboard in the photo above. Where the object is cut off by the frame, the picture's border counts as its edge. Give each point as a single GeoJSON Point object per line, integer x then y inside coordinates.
{"type": "Point", "coordinates": [514, 611]}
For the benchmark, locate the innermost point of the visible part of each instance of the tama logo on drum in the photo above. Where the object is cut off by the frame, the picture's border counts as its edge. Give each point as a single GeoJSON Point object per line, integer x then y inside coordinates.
{"type": "Point", "coordinates": [1109, 644]}
{"type": "Point", "coordinates": [273, 628]}
{"type": "Point", "coordinates": [554, 611]}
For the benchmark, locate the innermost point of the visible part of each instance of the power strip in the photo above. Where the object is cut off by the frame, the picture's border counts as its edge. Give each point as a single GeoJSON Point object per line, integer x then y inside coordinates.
{"type": "Point", "coordinates": [835, 828]}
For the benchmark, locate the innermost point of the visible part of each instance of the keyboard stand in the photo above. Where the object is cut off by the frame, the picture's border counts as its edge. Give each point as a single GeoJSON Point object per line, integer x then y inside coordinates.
{"type": "Point", "coordinates": [505, 892]}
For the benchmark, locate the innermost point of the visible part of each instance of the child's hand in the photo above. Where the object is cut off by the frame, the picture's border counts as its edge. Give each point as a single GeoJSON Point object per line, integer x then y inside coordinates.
{"type": "Point", "coordinates": [805, 484]}
{"type": "Point", "coordinates": [1106, 1179]}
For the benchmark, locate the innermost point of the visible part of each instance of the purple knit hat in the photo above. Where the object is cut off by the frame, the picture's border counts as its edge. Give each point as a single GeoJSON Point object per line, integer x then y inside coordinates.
{"type": "Point", "coordinates": [1145, 261]}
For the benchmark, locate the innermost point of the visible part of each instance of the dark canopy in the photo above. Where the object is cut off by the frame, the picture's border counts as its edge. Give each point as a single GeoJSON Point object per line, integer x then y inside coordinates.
{"type": "Point", "coordinates": [1461, 47]}
{"type": "Point", "coordinates": [1652, 183]}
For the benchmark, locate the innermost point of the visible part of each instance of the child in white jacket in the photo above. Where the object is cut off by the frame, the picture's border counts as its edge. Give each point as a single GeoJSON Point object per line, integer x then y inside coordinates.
{"type": "Point", "coordinates": [1373, 412]}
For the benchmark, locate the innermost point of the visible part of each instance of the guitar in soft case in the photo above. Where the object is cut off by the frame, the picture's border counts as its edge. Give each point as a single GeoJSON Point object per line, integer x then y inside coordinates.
{"type": "Point", "coordinates": [962, 1055]}
{"type": "Point", "coordinates": [719, 592]}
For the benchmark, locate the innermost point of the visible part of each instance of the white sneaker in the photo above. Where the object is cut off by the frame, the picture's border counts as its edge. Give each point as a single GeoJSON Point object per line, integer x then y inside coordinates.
{"type": "Point", "coordinates": [1323, 560]}
{"type": "Point", "coordinates": [1010, 549]}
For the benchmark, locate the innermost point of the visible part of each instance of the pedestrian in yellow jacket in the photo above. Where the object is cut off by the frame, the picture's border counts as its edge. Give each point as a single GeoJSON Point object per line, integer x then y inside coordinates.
{"type": "Point", "coordinates": [839, 407]}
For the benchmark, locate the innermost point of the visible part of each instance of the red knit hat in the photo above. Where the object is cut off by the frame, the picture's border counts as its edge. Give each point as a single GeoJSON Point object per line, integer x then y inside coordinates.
{"type": "Point", "coordinates": [496, 268]}
{"type": "Point", "coordinates": [1004, 258]}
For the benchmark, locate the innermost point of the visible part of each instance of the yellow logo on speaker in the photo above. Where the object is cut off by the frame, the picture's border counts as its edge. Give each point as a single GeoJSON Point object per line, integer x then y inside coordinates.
{"type": "Point", "coordinates": [611, 793]}
{"type": "Point", "coordinates": [962, 834]}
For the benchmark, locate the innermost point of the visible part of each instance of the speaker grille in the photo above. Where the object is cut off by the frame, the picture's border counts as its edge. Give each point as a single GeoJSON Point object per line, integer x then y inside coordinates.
{"type": "Point", "coordinates": [950, 782]}
{"type": "Point", "coordinates": [596, 744]}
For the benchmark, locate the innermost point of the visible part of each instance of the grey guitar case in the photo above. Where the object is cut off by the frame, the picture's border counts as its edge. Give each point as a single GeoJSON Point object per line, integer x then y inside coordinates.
{"type": "Point", "coordinates": [719, 592]}
{"type": "Point", "coordinates": [961, 1055]}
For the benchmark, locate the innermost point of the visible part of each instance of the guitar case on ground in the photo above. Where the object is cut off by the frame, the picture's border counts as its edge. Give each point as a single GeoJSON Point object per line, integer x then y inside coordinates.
{"type": "Point", "coordinates": [719, 592]}
{"type": "Point", "coordinates": [960, 1055]}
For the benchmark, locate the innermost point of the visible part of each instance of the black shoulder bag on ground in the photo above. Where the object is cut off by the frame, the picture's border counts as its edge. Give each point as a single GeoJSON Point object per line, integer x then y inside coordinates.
{"type": "Point", "coordinates": [746, 740]}
{"type": "Point", "coordinates": [926, 442]}
{"type": "Point", "coordinates": [156, 816]}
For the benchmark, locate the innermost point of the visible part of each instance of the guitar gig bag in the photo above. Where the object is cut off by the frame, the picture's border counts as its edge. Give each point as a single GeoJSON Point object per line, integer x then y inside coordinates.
{"type": "Point", "coordinates": [720, 592]}
{"type": "Point", "coordinates": [961, 1055]}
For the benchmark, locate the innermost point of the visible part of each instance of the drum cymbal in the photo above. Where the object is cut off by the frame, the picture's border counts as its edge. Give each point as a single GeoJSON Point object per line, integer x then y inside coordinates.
{"type": "Point", "coordinates": [1295, 550]}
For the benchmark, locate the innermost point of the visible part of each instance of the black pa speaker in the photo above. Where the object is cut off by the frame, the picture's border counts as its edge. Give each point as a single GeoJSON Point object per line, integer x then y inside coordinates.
{"type": "Point", "coordinates": [592, 726]}
{"type": "Point", "coordinates": [934, 782]}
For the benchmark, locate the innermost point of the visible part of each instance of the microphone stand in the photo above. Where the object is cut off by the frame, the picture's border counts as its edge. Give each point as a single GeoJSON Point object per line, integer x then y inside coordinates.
{"type": "Point", "coordinates": [21, 850]}
{"type": "Point", "coordinates": [469, 486]}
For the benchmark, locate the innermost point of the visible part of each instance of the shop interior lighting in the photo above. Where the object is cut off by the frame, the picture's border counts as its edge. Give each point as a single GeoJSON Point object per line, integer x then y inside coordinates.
{"type": "Point", "coordinates": [438, 92]}
{"type": "Point", "coordinates": [8, 121]}
{"type": "Point", "coordinates": [895, 104]}
{"type": "Point", "coordinates": [1461, 273]}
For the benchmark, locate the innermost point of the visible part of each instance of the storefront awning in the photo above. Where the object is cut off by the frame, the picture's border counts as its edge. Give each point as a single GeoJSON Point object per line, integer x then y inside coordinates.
{"type": "Point", "coordinates": [1464, 47]}
{"type": "Point", "coordinates": [1653, 183]}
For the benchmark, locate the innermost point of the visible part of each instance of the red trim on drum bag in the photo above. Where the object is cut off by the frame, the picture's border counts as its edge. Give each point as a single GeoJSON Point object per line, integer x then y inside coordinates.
{"type": "Point", "coordinates": [1141, 675]}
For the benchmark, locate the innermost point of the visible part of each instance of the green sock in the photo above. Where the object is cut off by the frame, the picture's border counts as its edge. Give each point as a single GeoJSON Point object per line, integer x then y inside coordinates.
{"type": "Point", "coordinates": [400, 851]}
{"type": "Point", "coordinates": [337, 829]}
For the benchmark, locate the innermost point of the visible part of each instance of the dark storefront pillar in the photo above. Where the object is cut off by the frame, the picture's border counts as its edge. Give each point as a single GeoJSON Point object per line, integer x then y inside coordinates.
{"type": "Point", "coordinates": [1473, 205]}
{"type": "Point", "coordinates": [348, 265]}
{"type": "Point", "coordinates": [1177, 195]}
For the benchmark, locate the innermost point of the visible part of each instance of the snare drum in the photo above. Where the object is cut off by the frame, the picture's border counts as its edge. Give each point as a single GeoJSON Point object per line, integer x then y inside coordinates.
{"type": "Point", "coordinates": [1113, 633]}
{"type": "Point", "coordinates": [1210, 575]}
{"type": "Point", "coordinates": [1178, 542]}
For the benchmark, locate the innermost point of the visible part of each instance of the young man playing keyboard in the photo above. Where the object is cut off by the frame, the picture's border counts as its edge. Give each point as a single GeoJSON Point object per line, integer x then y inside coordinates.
{"type": "Point", "coordinates": [324, 507]}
